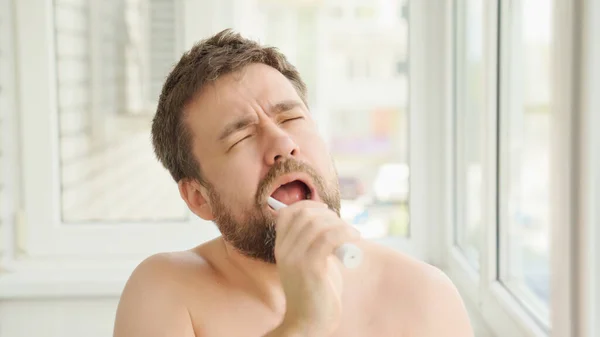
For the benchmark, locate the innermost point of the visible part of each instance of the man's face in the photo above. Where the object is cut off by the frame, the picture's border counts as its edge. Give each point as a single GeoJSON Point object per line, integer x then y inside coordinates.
{"type": "Point", "coordinates": [254, 138]}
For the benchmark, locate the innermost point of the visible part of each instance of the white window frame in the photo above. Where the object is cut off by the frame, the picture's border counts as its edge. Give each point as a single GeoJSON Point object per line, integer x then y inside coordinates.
{"type": "Point", "coordinates": [566, 161]}
{"type": "Point", "coordinates": [9, 137]}
{"type": "Point", "coordinates": [427, 132]}
{"type": "Point", "coordinates": [498, 308]}
{"type": "Point", "coordinates": [494, 304]}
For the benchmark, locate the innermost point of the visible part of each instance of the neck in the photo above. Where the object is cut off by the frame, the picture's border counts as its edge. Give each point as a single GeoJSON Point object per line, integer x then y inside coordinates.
{"type": "Point", "coordinates": [259, 277]}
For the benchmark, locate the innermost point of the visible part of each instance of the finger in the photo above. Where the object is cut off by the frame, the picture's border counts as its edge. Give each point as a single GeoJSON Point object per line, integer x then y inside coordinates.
{"type": "Point", "coordinates": [298, 246]}
{"type": "Point", "coordinates": [290, 225]}
{"type": "Point", "coordinates": [298, 212]}
{"type": "Point", "coordinates": [328, 241]}
{"type": "Point", "coordinates": [307, 228]}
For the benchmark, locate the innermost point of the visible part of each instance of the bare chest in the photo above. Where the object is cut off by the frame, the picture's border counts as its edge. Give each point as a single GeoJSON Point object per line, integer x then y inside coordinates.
{"type": "Point", "coordinates": [245, 320]}
{"type": "Point", "coordinates": [244, 328]}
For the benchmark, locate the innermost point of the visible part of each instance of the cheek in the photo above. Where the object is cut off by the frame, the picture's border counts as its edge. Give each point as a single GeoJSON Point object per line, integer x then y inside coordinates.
{"type": "Point", "coordinates": [237, 179]}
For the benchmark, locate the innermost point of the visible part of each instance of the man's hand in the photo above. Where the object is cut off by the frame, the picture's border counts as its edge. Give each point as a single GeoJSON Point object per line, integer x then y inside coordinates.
{"type": "Point", "coordinates": [307, 235]}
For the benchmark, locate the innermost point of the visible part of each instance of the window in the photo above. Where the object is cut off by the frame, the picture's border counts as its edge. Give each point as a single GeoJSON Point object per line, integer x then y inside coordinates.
{"type": "Point", "coordinates": [470, 77]}
{"type": "Point", "coordinates": [524, 161]}
{"type": "Point", "coordinates": [532, 153]}
{"type": "Point", "coordinates": [500, 164]}
{"type": "Point", "coordinates": [112, 58]}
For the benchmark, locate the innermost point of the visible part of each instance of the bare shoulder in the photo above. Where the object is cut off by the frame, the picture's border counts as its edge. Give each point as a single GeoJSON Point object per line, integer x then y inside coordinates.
{"type": "Point", "coordinates": [415, 275]}
{"type": "Point", "coordinates": [172, 270]}
{"type": "Point", "coordinates": [169, 269]}
{"type": "Point", "coordinates": [157, 295]}
{"type": "Point", "coordinates": [422, 294]}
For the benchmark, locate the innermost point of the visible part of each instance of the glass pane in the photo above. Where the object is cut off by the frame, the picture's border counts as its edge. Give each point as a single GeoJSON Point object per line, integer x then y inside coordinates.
{"type": "Point", "coordinates": [109, 64]}
{"type": "Point", "coordinates": [525, 142]}
{"type": "Point", "coordinates": [470, 106]}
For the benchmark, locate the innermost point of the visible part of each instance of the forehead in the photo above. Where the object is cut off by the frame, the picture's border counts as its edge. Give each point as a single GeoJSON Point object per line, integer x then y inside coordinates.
{"type": "Point", "coordinates": [257, 86]}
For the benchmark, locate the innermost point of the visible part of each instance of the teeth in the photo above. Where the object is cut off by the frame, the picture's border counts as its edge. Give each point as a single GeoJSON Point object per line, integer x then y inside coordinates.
{"type": "Point", "coordinates": [308, 195]}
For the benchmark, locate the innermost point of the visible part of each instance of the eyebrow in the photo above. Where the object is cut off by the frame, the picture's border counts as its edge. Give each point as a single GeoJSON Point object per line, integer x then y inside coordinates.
{"type": "Point", "coordinates": [284, 106]}
{"type": "Point", "coordinates": [246, 121]}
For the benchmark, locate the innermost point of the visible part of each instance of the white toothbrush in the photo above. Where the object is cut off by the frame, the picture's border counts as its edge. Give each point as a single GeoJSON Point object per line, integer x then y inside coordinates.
{"type": "Point", "coordinates": [350, 255]}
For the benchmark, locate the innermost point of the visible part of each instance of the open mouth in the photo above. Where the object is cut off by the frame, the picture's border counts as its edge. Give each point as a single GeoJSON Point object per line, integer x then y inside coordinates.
{"type": "Point", "coordinates": [292, 192]}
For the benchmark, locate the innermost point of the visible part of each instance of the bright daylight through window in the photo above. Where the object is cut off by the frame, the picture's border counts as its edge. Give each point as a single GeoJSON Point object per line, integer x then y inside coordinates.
{"type": "Point", "coordinates": [470, 79]}
{"type": "Point", "coordinates": [112, 57]}
{"type": "Point", "coordinates": [524, 157]}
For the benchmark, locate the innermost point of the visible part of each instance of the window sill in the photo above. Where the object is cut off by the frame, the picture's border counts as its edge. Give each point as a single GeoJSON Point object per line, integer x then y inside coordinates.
{"type": "Point", "coordinates": [60, 279]}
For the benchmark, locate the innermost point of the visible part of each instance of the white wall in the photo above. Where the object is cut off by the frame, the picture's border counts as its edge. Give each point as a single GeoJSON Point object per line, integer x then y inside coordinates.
{"type": "Point", "coordinates": [82, 317]}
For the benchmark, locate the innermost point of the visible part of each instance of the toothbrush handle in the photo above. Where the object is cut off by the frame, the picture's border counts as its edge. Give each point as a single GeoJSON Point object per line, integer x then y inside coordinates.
{"type": "Point", "coordinates": [350, 255]}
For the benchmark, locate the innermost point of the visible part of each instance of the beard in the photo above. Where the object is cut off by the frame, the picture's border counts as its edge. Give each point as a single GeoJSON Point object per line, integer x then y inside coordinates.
{"type": "Point", "coordinates": [255, 236]}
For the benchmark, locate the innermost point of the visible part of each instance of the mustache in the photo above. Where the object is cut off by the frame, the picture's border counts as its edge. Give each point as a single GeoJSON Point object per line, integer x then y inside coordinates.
{"type": "Point", "coordinates": [285, 167]}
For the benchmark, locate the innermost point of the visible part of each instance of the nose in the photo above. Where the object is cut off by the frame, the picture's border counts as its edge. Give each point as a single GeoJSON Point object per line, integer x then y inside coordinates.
{"type": "Point", "coordinates": [279, 146]}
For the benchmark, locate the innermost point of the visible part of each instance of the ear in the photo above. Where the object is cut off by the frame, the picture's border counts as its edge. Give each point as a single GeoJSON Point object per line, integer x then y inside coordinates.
{"type": "Point", "coordinates": [196, 197]}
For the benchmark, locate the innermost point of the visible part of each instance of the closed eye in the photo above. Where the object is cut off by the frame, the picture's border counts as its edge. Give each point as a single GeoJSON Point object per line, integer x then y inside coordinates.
{"type": "Point", "coordinates": [239, 141]}
{"type": "Point", "coordinates": [292, 119]}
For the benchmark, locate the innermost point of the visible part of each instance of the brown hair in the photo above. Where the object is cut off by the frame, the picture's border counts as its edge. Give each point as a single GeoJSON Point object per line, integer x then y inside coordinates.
{"type": "Point", "coordinates": [223, 53]}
